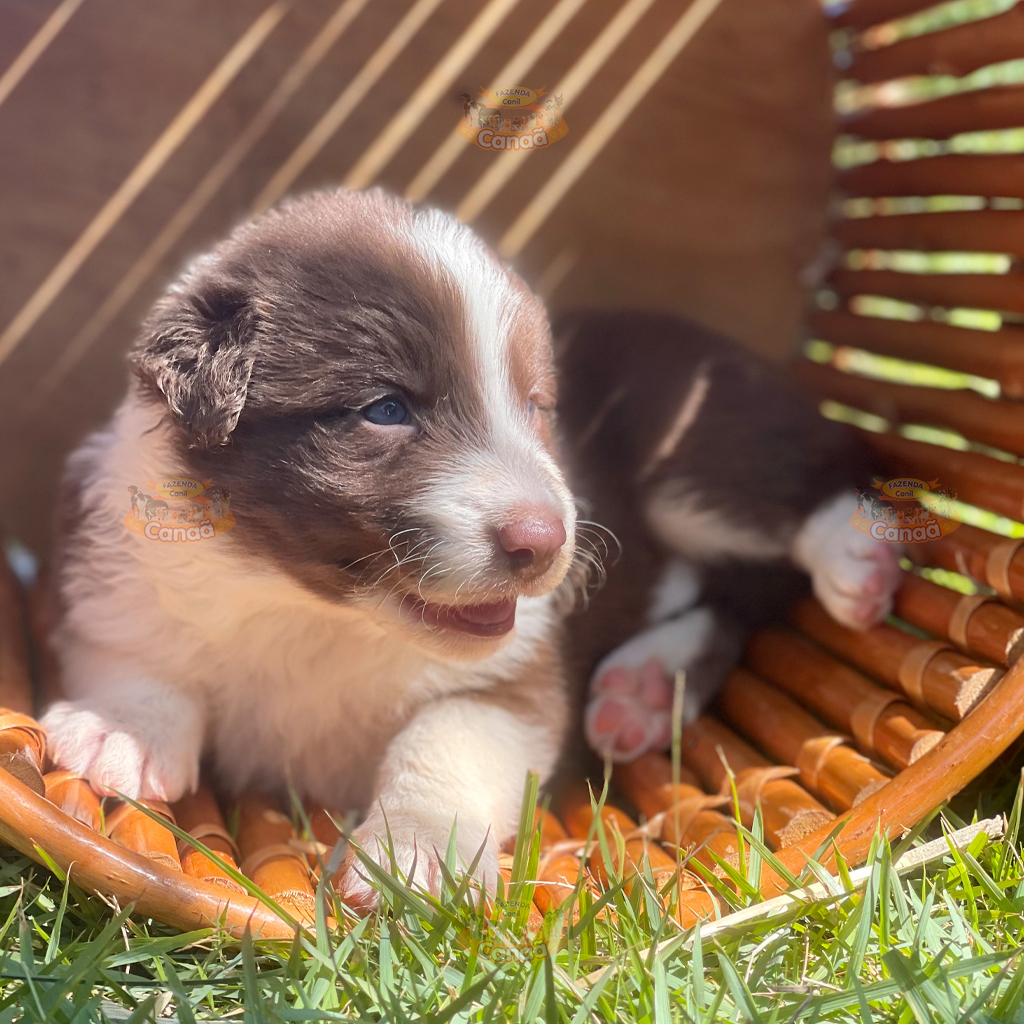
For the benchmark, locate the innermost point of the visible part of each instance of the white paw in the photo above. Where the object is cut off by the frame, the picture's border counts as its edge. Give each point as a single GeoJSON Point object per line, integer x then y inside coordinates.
{"type": "Point", "coordinates": [418, 844]}
{"type": "Point", "coordinates": [629, 711]}
{"type": "Point", "coordinates": [853, 575]}
{"type": "Point", "coordinates": [116, 757]}
{"type": "Point", "coordinates": [856, 580]}
{"type": "Point", "coordinates": [629, 708]}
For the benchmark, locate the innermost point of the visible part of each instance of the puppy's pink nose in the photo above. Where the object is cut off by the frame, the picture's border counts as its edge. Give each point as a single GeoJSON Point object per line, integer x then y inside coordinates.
{"type": "Point", "coordinates": [533, 538]}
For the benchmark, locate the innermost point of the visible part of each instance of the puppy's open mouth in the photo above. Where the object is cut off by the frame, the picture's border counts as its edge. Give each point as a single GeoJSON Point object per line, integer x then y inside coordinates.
{"type": "Point", "coordinates": [494, 619]}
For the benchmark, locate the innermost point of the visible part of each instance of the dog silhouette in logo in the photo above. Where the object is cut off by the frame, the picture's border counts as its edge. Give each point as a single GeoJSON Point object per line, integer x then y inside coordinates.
{"type": "Point", "coordinates": [220, 501]}
{"type": "Point", "coordinates": [150, 508]}
{"type": "Point", "coordinates": [552, 110]}
{"type": "Point", "coordinates": [471, 106]}
{"type": "Point", "coordinates": [138, 500]}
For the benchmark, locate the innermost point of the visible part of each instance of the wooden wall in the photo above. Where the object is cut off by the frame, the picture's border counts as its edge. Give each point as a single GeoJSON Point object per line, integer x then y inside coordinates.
{"type": "Point", "coordinates": [709, 201]}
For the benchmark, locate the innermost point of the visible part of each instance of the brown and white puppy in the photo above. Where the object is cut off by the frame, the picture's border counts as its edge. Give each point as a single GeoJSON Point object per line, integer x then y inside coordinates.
{"type": "Point", "coordinates": [374, 389]}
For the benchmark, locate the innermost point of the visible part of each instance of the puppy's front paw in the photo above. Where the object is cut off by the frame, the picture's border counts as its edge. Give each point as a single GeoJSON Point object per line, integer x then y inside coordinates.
{"type": "Point", "coordinates": [119, 757]}
{"type": "Point", "coordinates": [855, 580]}
{"type": "Point", "coordinates": [629, 711]}
{"type": "Point", "coordinates": [854, 576]}
{"type": "Point", "coordinates": [418, 843]}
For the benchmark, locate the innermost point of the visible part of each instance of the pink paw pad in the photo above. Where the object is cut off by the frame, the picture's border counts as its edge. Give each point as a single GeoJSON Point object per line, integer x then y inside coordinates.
{"type": "Point", "coordinates": [629, 711]}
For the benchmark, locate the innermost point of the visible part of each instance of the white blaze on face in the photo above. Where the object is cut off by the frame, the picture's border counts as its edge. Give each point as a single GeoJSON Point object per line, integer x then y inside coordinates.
{"type": "Point", "coordinates": [509, 467]}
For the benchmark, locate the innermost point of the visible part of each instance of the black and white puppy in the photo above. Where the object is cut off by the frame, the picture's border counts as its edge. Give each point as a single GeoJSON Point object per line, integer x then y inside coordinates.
{"type": "Point", "coordinates": [379, 626]}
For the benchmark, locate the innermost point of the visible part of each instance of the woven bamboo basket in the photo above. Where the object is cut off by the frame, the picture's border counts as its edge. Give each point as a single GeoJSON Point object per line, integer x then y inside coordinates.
{"type": "Point", "coordinates": [821, 727]}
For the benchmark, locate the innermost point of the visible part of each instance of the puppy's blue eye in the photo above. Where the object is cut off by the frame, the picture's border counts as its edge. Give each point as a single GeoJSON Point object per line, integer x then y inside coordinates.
{"type": "Point", "coordinates": [387, 412]}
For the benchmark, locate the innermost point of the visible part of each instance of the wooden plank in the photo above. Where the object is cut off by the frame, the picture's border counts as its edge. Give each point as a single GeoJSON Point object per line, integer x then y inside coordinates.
{"type": "Point", "coordinates": [1003, 292]}
{"type": "Point", "coordinates": [949, 766]}
{"type": "Point", "coordinates": [989, 629]}
{"type": "Point", "coordinates": [976, 479]}
{"type": "Point", "coordinates": [997, 174]}
{"type": "Point", "coordinates": [785, 731]}
{"type": "Point", "coordinates": [846, 700]}
{"type": "Point", "coordinates": [987, 557]}
{"type": "Point", "coordinates": [31, 824]}
{"type": "Point", "coordinates": [950, 683]}
{"type": "Point", "coordinates": [996, 423]}
{"type": "Point", "coordinates": [994, 354]}
{"type": "Point", "coordinates": [863, 13]}
{"type": "Point", "coordinates": [953, 51]}
{"type": "Point", "coordinates": [984, 110]}
{"type": "Point", "coordinates": [964, 231]}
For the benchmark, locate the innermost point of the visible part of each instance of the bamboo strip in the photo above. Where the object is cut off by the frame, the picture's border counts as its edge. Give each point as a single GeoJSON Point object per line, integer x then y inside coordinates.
{"type": "Point", "coordinates": [200, 816]}
{"type": "Point", "coordinates": [131, 828]}
{"type": "Point", "coordinates": [996, 423]}
{"type": "Point", "coordinates": [976, 291]}
{"type": "Point", "coordinates": [954, 174]}
{"type": "Point", "coordinates": [996, 354]}
{"type": "Point", "coordinates": [977, 479]}
{"type": "Point", "coordinates": [961, 756]}
{"type": "Point", "coordinates": [265, 836]}
{"type": "Point", "coordinates": [779, 726]}
{"type": "Point", "coordinates": [324, 837]}
{"type": "Point", "coordinates": [556, 874]}
{"type": "Point", "coordinates": [952, 51]}
{"type": "Point", "coordinates": [688, 818]}
{"type": "Point", "coordinates": [73, 795]}
{"type": "Point", "coordinates": [30, 823]}
{"type": "Point", "coordinates": [882, 724]}
{"type": "Point", "coordinates": [322, 827]}
{"type": "Point", "coordinates": [984, 110]}
{"type": "Point", "coordinates": [989, 630]}
{"type": "Point", "coordinates": [949, 682]}
{"type": "Point", "coordinates": [558, 868]}
{"type": "Point", "coordinates": [864, 13]}
{"type": "Point", "coordinates": [788, 811]}
{"type": "Point", "coordinates": [693, 902]}
{"type": "Point", "coordinates": [995, 561]}
{"type": "Point", "coordinates": [960, 230]}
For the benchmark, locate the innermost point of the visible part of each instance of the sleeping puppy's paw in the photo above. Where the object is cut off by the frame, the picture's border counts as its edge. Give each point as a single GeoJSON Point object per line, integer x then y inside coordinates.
{"type": "Point", "coordinates": [853, 575]}
{"type": "Point", "coordinates": [419, 842]}
{"type": "Point", "coordinates": [138, 756]}
{"type": "Point", "coordinates": [857, 580]}
{"type": "Point", "coordinates": [629, 708]}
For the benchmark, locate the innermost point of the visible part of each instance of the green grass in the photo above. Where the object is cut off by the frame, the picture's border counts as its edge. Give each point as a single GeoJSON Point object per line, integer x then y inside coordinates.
{"type": "Point", "coordinates": [939, 944]}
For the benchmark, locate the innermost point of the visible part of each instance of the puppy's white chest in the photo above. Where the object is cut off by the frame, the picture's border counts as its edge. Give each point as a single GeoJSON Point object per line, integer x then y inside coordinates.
{"type": "Point", "coordinates": [308, 701]}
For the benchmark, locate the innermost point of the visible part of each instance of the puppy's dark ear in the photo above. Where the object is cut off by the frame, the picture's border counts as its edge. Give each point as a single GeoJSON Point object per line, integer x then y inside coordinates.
{"type": "Point", "coordinates": [197, 350]}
